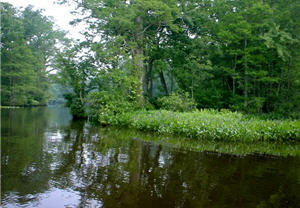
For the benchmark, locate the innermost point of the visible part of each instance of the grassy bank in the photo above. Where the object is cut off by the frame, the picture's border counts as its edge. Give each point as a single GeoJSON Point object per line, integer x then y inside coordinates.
{"type": "Point", "coordinates": [209, 124]}
{"type": "Point", "coordinates": [182, 143]}
{"type": "Point", "coordinates": [21, 106]}
{"type": "Point", "coordinates": [9, 107]}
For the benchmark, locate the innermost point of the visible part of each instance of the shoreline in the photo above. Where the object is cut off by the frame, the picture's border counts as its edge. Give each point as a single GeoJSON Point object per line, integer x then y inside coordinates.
{"type": "Point", "coordinates": [207, 124]}
{"type": "Point", "coordinates": [183, 143]}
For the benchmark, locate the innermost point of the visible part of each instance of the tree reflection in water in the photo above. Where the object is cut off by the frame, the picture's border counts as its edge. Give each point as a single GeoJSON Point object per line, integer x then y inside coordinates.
{"type": "Point", "coordinates": [109, 167]}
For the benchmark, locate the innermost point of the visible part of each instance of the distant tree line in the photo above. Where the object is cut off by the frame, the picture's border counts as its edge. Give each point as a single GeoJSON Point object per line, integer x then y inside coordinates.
{"type": "Point", "coordinates": [28, 45]}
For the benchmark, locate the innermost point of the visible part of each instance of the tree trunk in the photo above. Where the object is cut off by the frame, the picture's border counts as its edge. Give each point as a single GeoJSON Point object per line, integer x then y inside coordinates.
{"type": "Point", "coordinates": [192, 88]}
{"type": "Point", "coordinates": [234, 74]}
{"type": "Point", "coordinates": [163, 82]}
{"type": "Point", "coordinates": [11, 94]}
{"type": "Point", "coordinates": [148, 79]}
{"type": "Point", "coordinates": [151, 88]}
{"type": "Point", "coordinates": [289, 79]}
{"type": "Point", "coordinates": [245, 75]}
{"type": "Point", "coordinates": [279, 83]}
{"type": "Point", "coordinates": [138, 58]}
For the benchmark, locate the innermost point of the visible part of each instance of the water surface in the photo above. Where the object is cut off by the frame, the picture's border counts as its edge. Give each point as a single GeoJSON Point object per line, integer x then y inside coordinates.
{"type": "Point", "coordinates": [50, 160]}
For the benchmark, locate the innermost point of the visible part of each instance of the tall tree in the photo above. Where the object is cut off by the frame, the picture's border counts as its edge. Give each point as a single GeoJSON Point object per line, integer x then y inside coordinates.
{"type": "Point", "coordinates": [28, 46]}
{"type": "Point", "coordinates": [17, 76]}
{"type": "Point", "coordinates": [241, 54]}
{"type": "Point", "coordinates": [130, 25]}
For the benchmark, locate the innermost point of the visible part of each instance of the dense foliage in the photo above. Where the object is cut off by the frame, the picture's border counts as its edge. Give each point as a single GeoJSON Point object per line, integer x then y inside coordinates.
{"type": "Point", "coordinates": [117, 96]}
{"type": "Point", "coordinates": [74, 70]}
{"type": "Point", "coordinates": [243, 55]}
{"type": "Point", "coordinates": [28, 42]}
{"type": "Point", "coordinates": [177, 102]}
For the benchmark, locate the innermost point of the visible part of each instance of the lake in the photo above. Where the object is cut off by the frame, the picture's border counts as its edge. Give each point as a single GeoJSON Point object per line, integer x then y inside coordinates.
{"type": "Point", "coordinates": [50, 160]}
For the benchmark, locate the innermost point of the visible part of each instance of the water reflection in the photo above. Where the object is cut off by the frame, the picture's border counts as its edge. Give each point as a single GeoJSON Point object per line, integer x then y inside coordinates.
{"type": "Point", "coordinates": [49, 160]}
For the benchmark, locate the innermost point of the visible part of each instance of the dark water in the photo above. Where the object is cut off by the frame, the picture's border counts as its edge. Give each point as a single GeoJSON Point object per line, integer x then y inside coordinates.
{"type": "Point", "coordinates": [48, 160]}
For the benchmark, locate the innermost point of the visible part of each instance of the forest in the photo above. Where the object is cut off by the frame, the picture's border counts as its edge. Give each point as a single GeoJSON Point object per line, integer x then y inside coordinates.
{"type": "Point", "coordinates": [234, 62]}
{"type": "Point", "coordinates": [28, 49]}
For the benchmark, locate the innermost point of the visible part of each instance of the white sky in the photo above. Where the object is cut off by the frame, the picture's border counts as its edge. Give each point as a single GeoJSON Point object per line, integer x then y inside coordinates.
{"type": "Point", "coordinates": [60, 13]}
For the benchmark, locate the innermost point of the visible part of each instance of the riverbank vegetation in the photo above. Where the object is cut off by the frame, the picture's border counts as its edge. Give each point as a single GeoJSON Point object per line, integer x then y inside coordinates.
{"type": "Point", "coordinates": [182, 143]}
{"type": "Point", "coordinates": [208, 124]}
{"type": "Point", "coordinates": [157, 65]}
{"type": "Point", "coordinates": [178, 115]}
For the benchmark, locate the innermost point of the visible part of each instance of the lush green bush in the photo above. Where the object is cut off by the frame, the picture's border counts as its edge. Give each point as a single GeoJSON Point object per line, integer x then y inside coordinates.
{"type": "Point", "coordinates": [105, 105]}
{"type": "Point", "coordinates": [76, 106]}
{"type": "Point", "coordinates": [177, 102]}
{"type": "Point", "coordinates": [210, 124]}
{"type": "Point", "coordinates": [118, 95]}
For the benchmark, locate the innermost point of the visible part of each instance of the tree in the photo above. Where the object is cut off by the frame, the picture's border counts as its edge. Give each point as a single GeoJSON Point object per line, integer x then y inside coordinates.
{"type": "Point", "coordinates": [28, 46]}
{"type": "Point", "coordinates": [74, 71]}
{"type": "Point", "coordinates": [129, 25]}
{"type": "Point", "coordinates": [242, 55]}
{"type": "Point", "coordinates": [17, 77]}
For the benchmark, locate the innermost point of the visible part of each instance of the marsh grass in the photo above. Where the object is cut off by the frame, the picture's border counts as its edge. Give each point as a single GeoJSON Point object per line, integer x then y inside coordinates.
{"type": "Point", "coordinates": [210, 125]}
{"type": "Point", "coordinates": [9, 107]}
{"type": "Point", "coordinates": [181, 143]}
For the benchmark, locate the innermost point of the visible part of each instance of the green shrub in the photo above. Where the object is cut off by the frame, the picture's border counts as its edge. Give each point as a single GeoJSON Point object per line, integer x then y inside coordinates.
{"type": "Point", "coordinates": [118, 94]}
{"type": "Point", "coordinates": [76, 106]}
{"type": "Point", "coordinates": [177, 102]}
{"type": "Point", "coordinates": [104, 105]}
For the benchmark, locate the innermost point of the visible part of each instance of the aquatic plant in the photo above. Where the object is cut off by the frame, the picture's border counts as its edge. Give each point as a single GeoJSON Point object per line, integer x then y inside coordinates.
{"type": "Point", "coordinates": [182, 143]}
{"type": "Point", "coordinates": [209, 124]}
